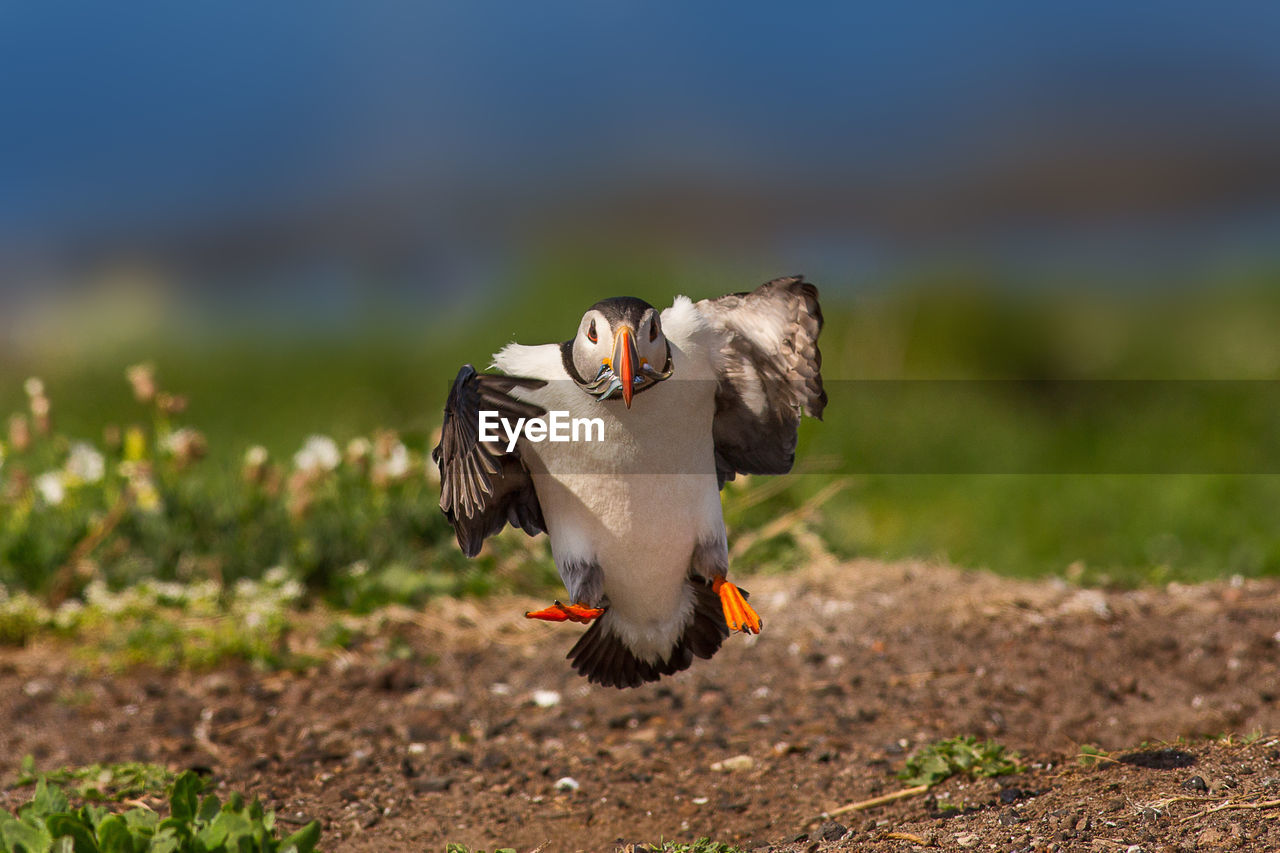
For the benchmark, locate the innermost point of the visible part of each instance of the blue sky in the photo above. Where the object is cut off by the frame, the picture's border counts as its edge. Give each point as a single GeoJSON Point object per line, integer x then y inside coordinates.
{"type": "Point", "coordinates": [176, 115]}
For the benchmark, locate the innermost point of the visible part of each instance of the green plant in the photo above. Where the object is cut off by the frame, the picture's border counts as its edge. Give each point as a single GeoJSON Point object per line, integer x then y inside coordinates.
{"type": "Point", "coordinates": [48, 824]}
{"type": "Point", "coordinates": [701, 845]}
{"type": "Point", "coordinates": [124, 781]}
{"type": "Point", "coordinates": [355, 522]}
{"type": "Point", "coordinates": [1091, 755]}
{"type": "Point", "coordinates": [959, 756]}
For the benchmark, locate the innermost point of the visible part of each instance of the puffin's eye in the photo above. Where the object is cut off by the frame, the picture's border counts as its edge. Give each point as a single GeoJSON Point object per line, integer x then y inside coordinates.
{"type": "Point", "coordinates": [591, 332]}
{"type": "Point", "coordinates": [653, 331]}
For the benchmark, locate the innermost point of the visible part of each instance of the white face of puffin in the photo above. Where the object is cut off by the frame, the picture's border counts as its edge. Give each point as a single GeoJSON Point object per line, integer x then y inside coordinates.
{"type": "Point", "coordinates": [620, 349]}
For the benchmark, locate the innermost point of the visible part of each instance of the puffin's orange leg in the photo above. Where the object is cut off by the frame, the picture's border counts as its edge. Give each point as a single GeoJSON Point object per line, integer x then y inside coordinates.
{"type": "Point", "coordinates": [558, 612]}
{"type": "Point", "coordinates": [738, 615]}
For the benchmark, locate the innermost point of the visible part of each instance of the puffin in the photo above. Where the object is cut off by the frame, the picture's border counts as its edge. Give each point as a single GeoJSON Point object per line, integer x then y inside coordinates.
{"type": "Point", "coordinates": [688, 397]}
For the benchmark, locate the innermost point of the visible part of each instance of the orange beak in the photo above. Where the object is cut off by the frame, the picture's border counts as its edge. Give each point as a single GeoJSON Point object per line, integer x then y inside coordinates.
{"type": "Point", "coordinates": [625, 359]}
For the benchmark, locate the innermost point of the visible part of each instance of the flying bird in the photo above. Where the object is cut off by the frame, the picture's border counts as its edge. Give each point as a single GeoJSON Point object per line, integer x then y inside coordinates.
{"type": "Point", "coordinates": [688, 397]}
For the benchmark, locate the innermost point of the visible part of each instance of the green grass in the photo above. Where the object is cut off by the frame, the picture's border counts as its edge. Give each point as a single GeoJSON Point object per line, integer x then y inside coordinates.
{"type": "Point", "coordinates": [195, 824]}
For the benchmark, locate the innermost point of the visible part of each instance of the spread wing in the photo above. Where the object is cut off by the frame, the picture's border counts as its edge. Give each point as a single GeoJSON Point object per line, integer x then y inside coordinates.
{"type": "Point", "coordinates": [483, 487]}
{"type": "Point", "coordinates": [769, 374]}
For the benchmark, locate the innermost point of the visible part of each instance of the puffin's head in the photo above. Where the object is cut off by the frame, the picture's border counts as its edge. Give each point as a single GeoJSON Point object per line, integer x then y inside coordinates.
{"type": "Point", "coordinates": [620, 349]}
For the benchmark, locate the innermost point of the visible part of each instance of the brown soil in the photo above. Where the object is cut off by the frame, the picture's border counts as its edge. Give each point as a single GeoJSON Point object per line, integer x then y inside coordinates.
{"type": "Point", "coordinates": [859, 664]}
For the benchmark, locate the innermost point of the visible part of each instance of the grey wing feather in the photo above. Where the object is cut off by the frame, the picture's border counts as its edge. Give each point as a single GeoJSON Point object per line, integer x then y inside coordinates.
{"type": "Point", "coordinates": [770, 373]}
{"type": "Point", "coordinates": [482, 487]}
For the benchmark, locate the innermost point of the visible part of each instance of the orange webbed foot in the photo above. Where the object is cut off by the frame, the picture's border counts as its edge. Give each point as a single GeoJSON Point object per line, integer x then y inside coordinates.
{"type": "Point", "coordinates": [738, 615]}
{"type": "Point", "coordinates": [558, 612]}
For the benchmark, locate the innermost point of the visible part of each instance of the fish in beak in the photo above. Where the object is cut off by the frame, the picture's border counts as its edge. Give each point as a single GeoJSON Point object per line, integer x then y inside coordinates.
{"type": "Point", "coordinates": [625, 361]}
{"type": "Point", "coordinates": [624, 373]}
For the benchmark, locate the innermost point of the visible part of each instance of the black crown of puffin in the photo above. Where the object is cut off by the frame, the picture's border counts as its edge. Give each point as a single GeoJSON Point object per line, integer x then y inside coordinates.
{"type": "Point", "coordinates": [624, 373]}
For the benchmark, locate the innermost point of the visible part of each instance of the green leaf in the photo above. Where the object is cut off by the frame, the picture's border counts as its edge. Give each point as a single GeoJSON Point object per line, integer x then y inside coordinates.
{"type": "Point", "coordinates": [229, 825]}
{"type": "Point", "coordinates": [183, 803]}
{"type": "Point", "coordinates": [93, 815]}
{"type": "Point", "coordinates": [21, 837]}
{"type": "Point", "coordinates": [165, 842]}
{"type": "Point", "coordinates": [144, 821]}
{"type": "Point", "coordinates": [304, 840]}
{"type": "Point", "coordinates": [47, 801]}
{"type": "Point", "coordinates": [209, 808]}
{"type": "Point", "coordinates": [178, 828]}
{"type": "Point", "coordinates": [70, 826]}
{"type": "Point", "coordinates": [115, 836]}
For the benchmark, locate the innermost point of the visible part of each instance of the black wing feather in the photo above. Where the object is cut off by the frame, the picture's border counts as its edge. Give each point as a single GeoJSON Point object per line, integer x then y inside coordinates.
{"type": "Point", "coordinates": [482, 487]}
{"type": "Point", "coordinates": [770, 356]}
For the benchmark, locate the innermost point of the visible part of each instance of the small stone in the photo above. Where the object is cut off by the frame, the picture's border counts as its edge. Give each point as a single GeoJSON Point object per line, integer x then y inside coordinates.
{"type": "Point", "coordinates": [1009, 817]}
{"type": "Point", "coordinates": [546, 698]}
{"type": "Point", "coordinates": [567, 784]}
{"type": "Point", "coordinates": [735, 764]}
{"type": "Point", "coordinates": [1197, 784]}
{"type": "Point", "coordinates": [1210, 838]}
{"type": "Point", "coordinates": [1012, 795]}
{"type": "Point", "coordinates": [37, 687]}
{"type": "Point", "coordinates": [432, 784]}
{"type": "Point", "coordinates": [832, 831]}
{"type": "Point", "coordinates": [967, 839]}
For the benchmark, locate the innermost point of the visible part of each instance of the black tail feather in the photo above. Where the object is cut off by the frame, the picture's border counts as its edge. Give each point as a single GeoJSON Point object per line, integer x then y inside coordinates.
{"type": "Point", "coordinates": [605, 660]}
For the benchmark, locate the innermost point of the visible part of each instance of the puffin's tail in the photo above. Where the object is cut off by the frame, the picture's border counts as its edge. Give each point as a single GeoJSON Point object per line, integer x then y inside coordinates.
{"type": "Point", "coordinates": [604, 659]}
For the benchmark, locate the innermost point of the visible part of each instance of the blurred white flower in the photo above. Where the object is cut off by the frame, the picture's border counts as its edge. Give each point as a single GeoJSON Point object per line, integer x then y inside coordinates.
{"type": "Point", "coordinates": [206, 591]}
{"type": "Point", "coordinates": [68, 614]}
{"type": "Point", "coordinates": [276, 575]}
{"type": "Point", "coordinates": [396, 465]}
{"type": "Point", "coordinates": [256, 456]}
{"type": "Point", "coordinates": [96, 593]}
{"type": "Point", "coordinates": [51, 488]}
{"type": "Point", "coordinates": [186, 445]}
{"type": "Point", "coordinates": [319, 453]}
{"type": "Point", "coordinates": [34, 387]}
{"type": "Point", "coordinates": [85, 464]}
{"type": "Point", "coordinates": [142, 377]}
{"type": "Point", "coordinates": [171, 591]}
{"type": "Point", "coordinates": [358, 450]}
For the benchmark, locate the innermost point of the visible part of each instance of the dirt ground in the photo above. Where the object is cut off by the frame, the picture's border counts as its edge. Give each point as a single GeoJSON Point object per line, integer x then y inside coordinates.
{"type": "Point", "coordinates": [468, 737]}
